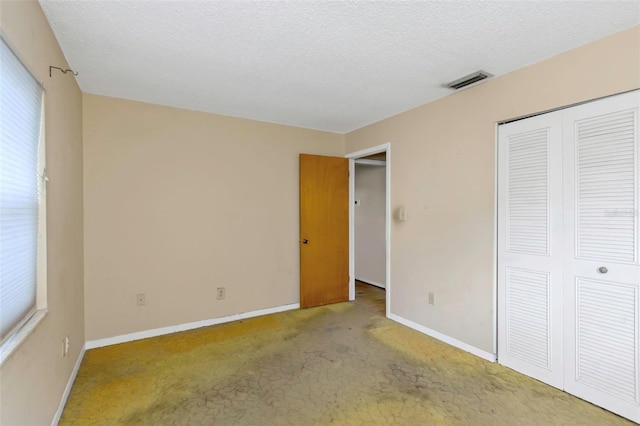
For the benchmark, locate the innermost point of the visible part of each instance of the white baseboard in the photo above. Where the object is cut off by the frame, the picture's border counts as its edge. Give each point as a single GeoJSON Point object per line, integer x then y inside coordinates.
{"type": "Point", "coordinates": [444, 338]}
{"type": "Point", "coordinates": [98, 343]}
{"type": "Point", "coordinates": [67, 389]}
{"type": "Point", "coordinates": [371, 282]}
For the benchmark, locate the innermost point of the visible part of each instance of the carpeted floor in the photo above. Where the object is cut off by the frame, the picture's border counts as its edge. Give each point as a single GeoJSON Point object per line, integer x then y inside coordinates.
{"type": "Point", "coordinates": [342, 364]}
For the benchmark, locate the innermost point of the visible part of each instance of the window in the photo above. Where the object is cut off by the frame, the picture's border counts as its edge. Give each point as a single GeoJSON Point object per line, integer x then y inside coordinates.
{"type": "Point", "coordinates": [22, 203]}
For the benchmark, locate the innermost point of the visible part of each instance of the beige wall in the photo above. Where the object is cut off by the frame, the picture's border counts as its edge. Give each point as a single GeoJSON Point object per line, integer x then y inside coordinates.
{"type": "Point", "coordinates": [443, 170]}
{"type": "Point", "coordinates": [33, 379]}
{"type": "Point", "coordinates": [178, 203]}
{"type": "Point", "coordinates": [369, 247]}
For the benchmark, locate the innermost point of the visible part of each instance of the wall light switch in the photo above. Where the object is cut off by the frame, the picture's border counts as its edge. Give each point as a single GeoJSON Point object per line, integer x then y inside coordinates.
{"type": "Point", "coordinates": [402, 214]}
{"type": "Point", "coordinates": [65, 346]}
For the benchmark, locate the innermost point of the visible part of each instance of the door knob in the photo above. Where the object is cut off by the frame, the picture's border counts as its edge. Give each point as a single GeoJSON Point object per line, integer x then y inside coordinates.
{"type": "Point", "coordinates": [305, 241]}
{"type": "Point", "coordinates": [603, 270]}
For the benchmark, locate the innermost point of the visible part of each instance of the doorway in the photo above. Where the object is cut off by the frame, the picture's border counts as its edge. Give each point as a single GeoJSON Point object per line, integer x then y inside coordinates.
{"type": "Point", "coordinates": [369, 224]}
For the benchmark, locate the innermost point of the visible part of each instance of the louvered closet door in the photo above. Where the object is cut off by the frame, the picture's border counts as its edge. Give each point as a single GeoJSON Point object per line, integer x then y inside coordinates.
{"type": "Point", "coordinates": [602, 275]}
{"type": "Point", "coordinates": [530, 323]}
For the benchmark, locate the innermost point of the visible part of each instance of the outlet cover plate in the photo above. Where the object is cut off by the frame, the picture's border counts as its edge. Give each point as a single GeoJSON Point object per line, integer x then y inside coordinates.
{"type": "Point", "coordinates": [141, 299]}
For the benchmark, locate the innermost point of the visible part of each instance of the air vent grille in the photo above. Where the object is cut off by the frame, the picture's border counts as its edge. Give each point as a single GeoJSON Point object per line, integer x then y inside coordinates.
{"type": "Point", "coordinates": [468, 80]}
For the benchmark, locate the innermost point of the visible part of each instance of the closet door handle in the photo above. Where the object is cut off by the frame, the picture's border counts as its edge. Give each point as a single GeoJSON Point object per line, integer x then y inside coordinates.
{"type": "Point", "coordinates": [603, 270]}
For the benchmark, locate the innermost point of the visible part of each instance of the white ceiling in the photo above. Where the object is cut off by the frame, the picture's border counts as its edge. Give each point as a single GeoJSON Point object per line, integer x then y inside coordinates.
{"type": "Point", "coordinates": [333, 66]}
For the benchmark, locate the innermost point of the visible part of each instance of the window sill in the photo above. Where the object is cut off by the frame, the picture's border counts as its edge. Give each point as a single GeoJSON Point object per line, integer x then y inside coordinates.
{"type": "Point", "coordinates": [9, 347]}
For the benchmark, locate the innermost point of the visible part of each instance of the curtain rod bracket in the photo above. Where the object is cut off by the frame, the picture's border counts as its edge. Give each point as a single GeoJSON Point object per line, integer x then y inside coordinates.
{"type": "Point", "coordinates": [63, 70]}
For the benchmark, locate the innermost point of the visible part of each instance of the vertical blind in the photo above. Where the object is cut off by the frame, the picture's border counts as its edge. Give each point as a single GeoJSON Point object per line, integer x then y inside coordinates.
{"type": "Point", "coordinates": [20, 120]}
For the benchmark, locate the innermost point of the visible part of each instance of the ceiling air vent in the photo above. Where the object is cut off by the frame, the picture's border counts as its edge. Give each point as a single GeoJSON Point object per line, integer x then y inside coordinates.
{"type": "Point", "coordinates": [468, 80]}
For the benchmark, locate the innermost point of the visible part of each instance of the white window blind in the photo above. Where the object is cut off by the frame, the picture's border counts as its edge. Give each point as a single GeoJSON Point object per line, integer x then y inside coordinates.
{"type": "Point", "coordinates": [20, 121]}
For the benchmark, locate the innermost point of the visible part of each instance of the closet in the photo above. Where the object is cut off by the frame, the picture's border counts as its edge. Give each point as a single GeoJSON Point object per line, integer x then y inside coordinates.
{"type": "Point", "coordinates": [568, 267]}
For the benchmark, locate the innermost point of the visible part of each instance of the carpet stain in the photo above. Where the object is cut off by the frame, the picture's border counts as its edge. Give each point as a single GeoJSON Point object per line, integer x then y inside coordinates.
{"type": "Point", "coordinates": [341, 364]}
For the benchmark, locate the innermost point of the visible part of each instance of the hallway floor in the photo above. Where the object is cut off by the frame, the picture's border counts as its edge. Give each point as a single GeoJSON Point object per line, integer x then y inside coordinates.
{"type": "Point", "coordinates": [342, 364]}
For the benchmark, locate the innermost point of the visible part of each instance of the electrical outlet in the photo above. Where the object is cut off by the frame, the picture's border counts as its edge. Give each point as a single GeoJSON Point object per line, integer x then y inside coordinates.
{"type": "Point", "coordinates": [141, 299]}
{"type": "Point", "coordinates": [65, 346]}
{"type": "Point", "coordinates": [432, 299]}
{"type": "Point", "coordinates": [220, 293]}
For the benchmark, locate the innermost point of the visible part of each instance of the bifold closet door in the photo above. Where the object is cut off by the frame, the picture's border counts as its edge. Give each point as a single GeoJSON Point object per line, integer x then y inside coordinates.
{"type": "Point", "coordinates": [602, 276]}
{"type": "Point", "coordinates": [530, 319]}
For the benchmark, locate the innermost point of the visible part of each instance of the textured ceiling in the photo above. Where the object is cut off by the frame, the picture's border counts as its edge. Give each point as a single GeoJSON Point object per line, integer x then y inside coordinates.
{"type": "Point", "coordinates": [333, 66]}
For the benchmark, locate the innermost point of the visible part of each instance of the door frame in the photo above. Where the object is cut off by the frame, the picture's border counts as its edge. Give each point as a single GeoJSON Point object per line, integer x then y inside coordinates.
{"type": "Point", "coordinates": [386, 148]}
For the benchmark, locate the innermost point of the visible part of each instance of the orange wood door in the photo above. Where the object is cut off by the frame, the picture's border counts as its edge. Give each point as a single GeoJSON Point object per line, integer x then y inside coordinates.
{"type": "Point", "coordinates": [324, 230]}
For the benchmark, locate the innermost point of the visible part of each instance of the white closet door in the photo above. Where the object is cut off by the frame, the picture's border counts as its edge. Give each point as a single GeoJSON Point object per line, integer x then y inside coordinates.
{"type": "Point", "coordinates": [602, 275]}
{"type": "Point", "coordinates": [530, 323]}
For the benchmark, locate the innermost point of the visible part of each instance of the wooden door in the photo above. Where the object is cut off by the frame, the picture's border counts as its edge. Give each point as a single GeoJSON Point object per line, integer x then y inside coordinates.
{"type": "Point", "coordinates": [324, 230]}
{"type": "Point", "coordinates": [602, 269]}
{"type": "Point", "coordinates": [530, 320]}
